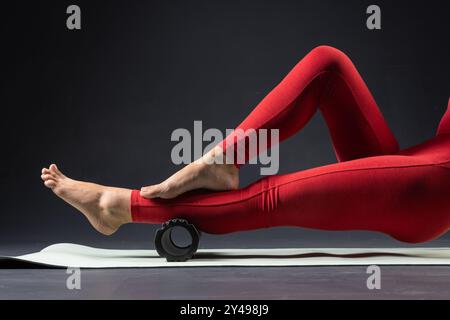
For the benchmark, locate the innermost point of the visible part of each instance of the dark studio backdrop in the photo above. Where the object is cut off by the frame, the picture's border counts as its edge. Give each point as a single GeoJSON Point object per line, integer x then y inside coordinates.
{"type": "Point", "coordinates": [102, 102]}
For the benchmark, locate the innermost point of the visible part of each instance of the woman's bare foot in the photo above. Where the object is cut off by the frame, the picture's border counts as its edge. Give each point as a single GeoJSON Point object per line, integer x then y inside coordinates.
{"type": "Point", "coordinates": [200, 174]}
{"type": "Point", "coordinates": [106, 208]}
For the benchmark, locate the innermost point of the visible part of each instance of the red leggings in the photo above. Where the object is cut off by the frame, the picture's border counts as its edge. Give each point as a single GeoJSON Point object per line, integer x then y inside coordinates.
{"type": "Point", "coordinates": [374, 187]}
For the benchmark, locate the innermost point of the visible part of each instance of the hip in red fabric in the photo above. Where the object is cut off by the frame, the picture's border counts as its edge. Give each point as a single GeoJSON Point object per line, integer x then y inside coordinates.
{"type": "Point", "coordinates": [376, 187]}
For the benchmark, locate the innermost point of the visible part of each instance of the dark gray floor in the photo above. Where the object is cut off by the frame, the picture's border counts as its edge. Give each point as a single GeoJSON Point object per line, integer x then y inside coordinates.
{"type": "Point", "coordinates": [229, 283]}
{"type": "Point", "coordinates": [397, 282]}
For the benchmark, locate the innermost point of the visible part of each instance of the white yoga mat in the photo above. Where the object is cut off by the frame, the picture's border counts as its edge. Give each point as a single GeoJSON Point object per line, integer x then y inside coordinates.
{"type": "Point", "coordinates": [73, 255]}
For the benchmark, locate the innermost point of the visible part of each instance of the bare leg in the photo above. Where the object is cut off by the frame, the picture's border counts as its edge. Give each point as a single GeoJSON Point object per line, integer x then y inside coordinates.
{"type": "Point", "coordinates": [106, 208]}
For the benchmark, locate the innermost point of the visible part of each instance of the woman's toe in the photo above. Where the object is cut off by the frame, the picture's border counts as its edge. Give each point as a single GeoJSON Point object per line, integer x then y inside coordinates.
{"type": "Point", "coordinates": [50, 183]}
{"type": "Point", "coordinates": [54, 169]}
{"type": "Point", "coordinates": [58, 172]}
{"type": "Point", "coordinates": [151, 191]}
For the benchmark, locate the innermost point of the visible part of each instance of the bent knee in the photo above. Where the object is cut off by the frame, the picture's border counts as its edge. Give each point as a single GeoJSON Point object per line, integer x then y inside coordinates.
{"type": "Point", "coordinates": [330, 56]}
{"type": "Point", "coordinates": [327, 50]}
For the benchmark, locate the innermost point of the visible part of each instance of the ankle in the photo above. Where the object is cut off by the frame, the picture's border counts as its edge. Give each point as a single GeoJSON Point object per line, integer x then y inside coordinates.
{"type": "Point", "coordinates": [111, 212]}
